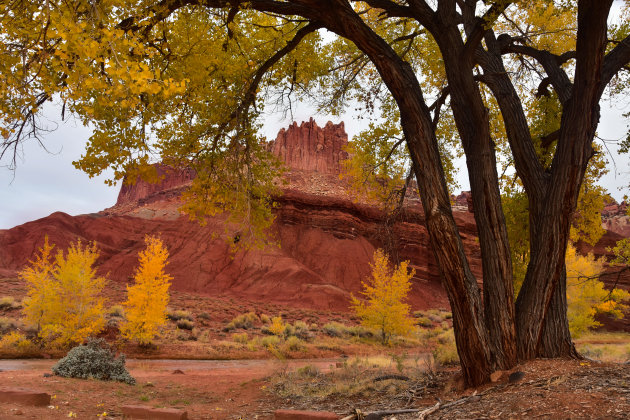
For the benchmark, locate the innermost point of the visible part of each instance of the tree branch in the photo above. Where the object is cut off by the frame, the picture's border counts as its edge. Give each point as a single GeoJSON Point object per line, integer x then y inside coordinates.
{"type": "Point", "coordinates": [390, 8]}
{"type": "Point", "coordinates": [614, 61]}
{"type": "Point", "coordinates": [481, 26]}
{"type": "Point", "coordinates": [550, 62]}
{"type": "Point", "coordinates": [250, 94]}
{"type": "Point", "coordinates": [497, 79]}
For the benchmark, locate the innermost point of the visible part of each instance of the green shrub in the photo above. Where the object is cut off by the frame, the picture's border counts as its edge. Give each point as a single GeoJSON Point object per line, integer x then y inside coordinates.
{"type": "Point", "coordinates": [270, 341]}
{"type": "Point", "coordinates": [204, 315]}
{"type": "Point", "coordinates": [203, 336]}
{"type": "Point", "coordinates": [360, 331]}
{"type": "Point", "coordinates": [185, 324]}
{"type": "Point", "coordinates": [300, 330]}
{"type": "Point", "coordinates": [93, 360]}
{"type": "Point", "coordinates": [591, 352]}
{"type": "Point", "coordinates": [244, 321]}
{"type": "Point", "coordinates": [240, 338]}
{"type": "Point", "coordinates": [116, 311]}
{"type": "Point", "coordinates": [8, 302]}
{"type": "Point", "coordinates": [446, 351]}
{"type": "Point", "coordinates": [182, 335]}
{"type": "Point", "coordinates": [293, 344]}
{"type": "Point", "coordinates": [308, 371]}
{"type": "Point", "coordinates": [8, 324]}
{"type": "Point", "coordinates": [437, 319]}
{"type": "Point", "coordinates": [264, 318]}
{"type": "Point", "coordinates": [335, 329]}
{"type": "Point", "coordinates": [178, 315]}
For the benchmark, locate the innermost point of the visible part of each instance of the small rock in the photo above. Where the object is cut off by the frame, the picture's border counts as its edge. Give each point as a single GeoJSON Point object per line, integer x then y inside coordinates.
{"type": "Point", "coordinates": [47, 375]}
{"type": "Point", "coordinates": [178, 372]}
{"type": "Point", "coordinates": [516, 376]}
{"type": "Point", "coordinates": [496, 376]}
{"type": "Point", "coordinates": [17, 412]}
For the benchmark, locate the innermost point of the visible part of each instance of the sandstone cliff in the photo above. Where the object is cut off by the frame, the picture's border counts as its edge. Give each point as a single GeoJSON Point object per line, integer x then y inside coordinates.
{"type": "Point", "coordinates": [311, 148]}
{"type": "Point", "coordinates": [326, 236]}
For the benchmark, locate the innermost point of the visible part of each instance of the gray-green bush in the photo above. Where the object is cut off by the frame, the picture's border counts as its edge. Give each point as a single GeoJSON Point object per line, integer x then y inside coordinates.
{"type": "Point", "coordinates": [93, 360]}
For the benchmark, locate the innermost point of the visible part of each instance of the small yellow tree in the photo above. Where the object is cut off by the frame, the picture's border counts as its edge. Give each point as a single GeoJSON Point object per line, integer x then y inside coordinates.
{"type": "Point", "coordinates": [39, 285]}
{"type": "Point", "coordinates": [148, 297]}
{"type": "Point", "coordinates": [64, 299]}
{"type": "Point", "coordinates": [586, 295]}
{"type": "Point", "coordinates": [386, 292]}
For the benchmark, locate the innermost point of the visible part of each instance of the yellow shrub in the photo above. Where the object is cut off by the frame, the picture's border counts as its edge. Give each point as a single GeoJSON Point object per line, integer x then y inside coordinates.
{"type": "Point", "coordinates": [277, 327]}
{"type": "Point", "coordinates": [242, 338]}
{"type": "Point", "coordinates": [586, 295]}
{"type": "Point", "coordinates": [16, 341]}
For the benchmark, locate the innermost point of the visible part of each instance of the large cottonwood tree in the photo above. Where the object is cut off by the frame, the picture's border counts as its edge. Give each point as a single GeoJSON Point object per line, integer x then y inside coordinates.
{"type": "Point", "coordinates": [187, 79]}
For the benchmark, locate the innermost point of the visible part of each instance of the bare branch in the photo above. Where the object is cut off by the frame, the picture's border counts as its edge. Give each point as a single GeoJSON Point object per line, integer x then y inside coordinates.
{"type": "Point", "coordinates": [482, 25]}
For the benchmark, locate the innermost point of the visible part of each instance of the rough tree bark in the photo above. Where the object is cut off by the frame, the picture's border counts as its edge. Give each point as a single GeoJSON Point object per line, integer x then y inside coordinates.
{"type": "Point", "coordinates": [460, 284]}
{"type": "Point", "coordinates": [551, 209]}
{"type": "Point", "coordinates": [473, 125]}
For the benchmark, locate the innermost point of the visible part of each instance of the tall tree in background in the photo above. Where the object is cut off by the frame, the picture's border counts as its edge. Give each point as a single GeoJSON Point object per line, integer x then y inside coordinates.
{"type": "Point", "coordinates": [148, 297]}
{"type": "Point", "coordinates": [64, 296]}
{"type": "Point", "coordinates": [386, 291]}
{"type": "Point", "coordinates": [181, 78]}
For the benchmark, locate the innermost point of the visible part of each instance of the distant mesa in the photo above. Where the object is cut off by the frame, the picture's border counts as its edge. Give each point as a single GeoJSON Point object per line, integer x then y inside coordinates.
{"type": "Point", "coordinates": [312, 148]}
{"type": "Point", "coordinates": [169, 178]}
{"type": "Point", "coordinates": [327, 237]}
{"type": "Point", "coordinates": [305, 147]}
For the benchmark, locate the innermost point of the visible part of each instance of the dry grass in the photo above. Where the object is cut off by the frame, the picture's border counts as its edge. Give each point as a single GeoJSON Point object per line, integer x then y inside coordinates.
{"type": "Point", "coordinates": [364, 378]}
{"type": "Point", "coordinates": [605, 346]}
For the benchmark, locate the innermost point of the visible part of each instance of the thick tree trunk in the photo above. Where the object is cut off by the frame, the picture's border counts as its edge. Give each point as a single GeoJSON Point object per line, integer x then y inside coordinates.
{"type": "Point", "coordinates": [556, 338]}
{"type": "Point", "coordinates": [473, 126]}
{"type": "Point", "coordinates": [551, 211]}
{"type": "Point", "coordinates": [461, 286]}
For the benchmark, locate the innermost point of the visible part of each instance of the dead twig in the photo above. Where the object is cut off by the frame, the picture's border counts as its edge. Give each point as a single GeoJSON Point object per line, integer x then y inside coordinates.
{"type": "Point", "coordinates": [386, 377]}
{"type": "Point", "coordinates": [424, 413]}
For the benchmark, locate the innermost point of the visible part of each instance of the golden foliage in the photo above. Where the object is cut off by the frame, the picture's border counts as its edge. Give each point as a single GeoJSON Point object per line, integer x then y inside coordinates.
{"type": "Point", "coordinates": [148, 297]}
{"type": "Point", "coordinates": [621, 250]}
{"type": "Point", "coordinates": [63, 297]}
{"type": "Point", "coordinates": [586, 295]}
{"type": "Point", "coordinates": [277, 327]}
{"type": "Point", "coordinates": [386, 292]}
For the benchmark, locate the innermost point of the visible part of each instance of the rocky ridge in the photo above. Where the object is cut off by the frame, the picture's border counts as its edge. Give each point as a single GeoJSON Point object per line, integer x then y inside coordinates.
{"type": "Point", "coordinates": [326, 235]}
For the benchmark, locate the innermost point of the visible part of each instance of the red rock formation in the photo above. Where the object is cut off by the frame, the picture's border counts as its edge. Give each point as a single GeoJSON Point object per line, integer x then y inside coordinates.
{"type": "Point", "coordinates": [169, 178]}
{"type": "Point", "coordinates": [464, 200]}
{"type": "Point", "coordinates": [311, 148]}
{"type": "Point", "coordinates": [616, 219]}
{"type": "Point", "coordinates": [327, 239]}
